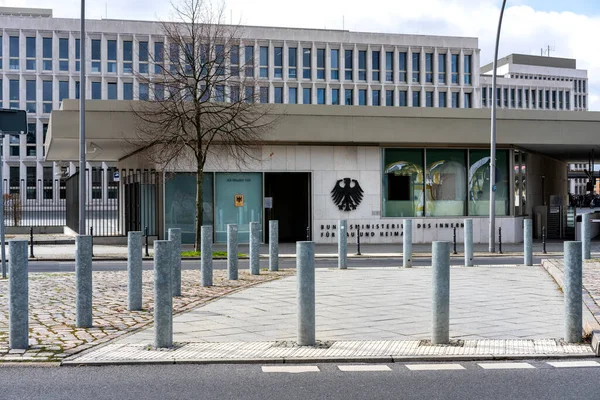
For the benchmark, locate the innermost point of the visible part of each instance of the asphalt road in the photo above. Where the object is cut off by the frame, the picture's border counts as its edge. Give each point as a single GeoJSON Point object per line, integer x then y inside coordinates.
{"type": "Point", "coordinates": [249, 382]}
{"type": "Point", "coordinates": [69, 266]}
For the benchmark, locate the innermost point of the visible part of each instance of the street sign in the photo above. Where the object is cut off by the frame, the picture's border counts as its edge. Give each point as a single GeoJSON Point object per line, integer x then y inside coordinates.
{"type": "Point", "coordinates": [268, 202]}
{"type": "Point", "coordinates": [13, 121]}
{"type": "Point", "coordinates": [116, 177]}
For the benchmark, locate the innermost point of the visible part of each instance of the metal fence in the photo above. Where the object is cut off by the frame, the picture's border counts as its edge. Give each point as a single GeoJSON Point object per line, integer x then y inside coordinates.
{"type": "Point", "coordinates": [142, 198]}
{"type": "Point", "coordinates": [39, 203]}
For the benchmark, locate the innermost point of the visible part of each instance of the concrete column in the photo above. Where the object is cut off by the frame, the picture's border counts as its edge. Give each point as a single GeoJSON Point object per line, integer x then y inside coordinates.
{"type": "Point", "coordinates": [305, 271]}
{"type": "Point", "coordinates": [83, 278]}
{"type": "Point", "coordinates": [163, 301]}
{"type": "Point", "coordinates": [134, 271]}
{"type": "Point", "coordinates": [18, 295]}
{"type": "Point", "coordinates": [586, 237]}
{"type": "Point", "coordinates": [206, 266]}
{"type": "Point", "coordinates": [273, 246]}
{"type": "Point", "coordinates": [254, 248]}
{"type": "Point", "coordinates": [342, 244]}
{"type": "Point", "coordinates": [527, 242]}
{"type": "Point", "coordinates": [573, 287]}
{"type": "Point", "coordinates": [175, 237]}
{"type": "Point", "coordinates": [441, 292]}
{"type": "Point", "coordinates": [407, 244]}
{"type": "Point", "coordinates": [232, 252]}
{"type": "Point", "coordinates": [468, 243]}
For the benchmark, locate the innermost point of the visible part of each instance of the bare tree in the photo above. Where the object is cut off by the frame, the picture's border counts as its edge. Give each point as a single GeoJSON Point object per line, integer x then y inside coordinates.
{"type": "Point", "coordinates": [201, 99]}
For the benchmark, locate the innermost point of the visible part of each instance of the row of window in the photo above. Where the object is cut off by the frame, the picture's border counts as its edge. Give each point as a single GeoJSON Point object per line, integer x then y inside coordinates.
{"type": "Point", "coordinates": [30, 142]}
{"type": "Point", "coordinates": [528, 98]}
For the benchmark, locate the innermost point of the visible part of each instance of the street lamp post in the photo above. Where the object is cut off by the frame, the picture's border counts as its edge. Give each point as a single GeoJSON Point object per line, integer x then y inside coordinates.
{"type": "Point", "coordinates": [82, 87]}
{"type": "Point", "coordinates": [492, 247]}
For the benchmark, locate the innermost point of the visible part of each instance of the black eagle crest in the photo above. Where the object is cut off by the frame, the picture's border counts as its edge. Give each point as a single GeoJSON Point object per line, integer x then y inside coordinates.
{"type": "Point", "coordinates": [347, 196]}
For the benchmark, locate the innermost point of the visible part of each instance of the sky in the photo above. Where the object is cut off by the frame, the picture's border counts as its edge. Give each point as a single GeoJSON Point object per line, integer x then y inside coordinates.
{"type": "Point", "coordinates": [570, 28]}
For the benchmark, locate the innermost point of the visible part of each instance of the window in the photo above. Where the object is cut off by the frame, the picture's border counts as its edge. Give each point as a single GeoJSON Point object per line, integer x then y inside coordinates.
{"type": "Point", "coordinates": [467, 100]}
{"type": "Point", "coordinates": [96, 55]}
{"type": "Point", "coordinates": [540, 98]}
{"type": "Point", "coordinates": [127, 57]}
{"type": "Point", "coordinates": [306, 96]}
{"type": "Point", "coordinates": [583, 83]}
{"type": "Point", "coordinates": [335, 64]}
{"type": "Point", "coordinates": [143, 58]}
{"type": "Point", "coordinates": [77, 54]}
{"type": "Point", "coordinates": [219, 94]}
{"type": "Point", "coordinates": [455, 99]}
{"type": "Point", "coordinates": [362, 65]}
{"type": "Point", "coordinates": [348, 65]}
{"type": "Point", "coordinates": [0, 52]}
{"type": "Point", "coordinates": [159, 57]}
{"type": "Point", "coordinates": [13, 93]}
{"type": "Point", "coordinates": [446, 194]}
{"type": "Point", "coordinates": [403, 98]}
{"type": "Point", "coordinates": [321, 96]}
{"type": "Point", "coordinates": [30, 53]}
{"type": "Point", "coordinates": [389, 98]}
{"type": "Point", "coordinates": [63, 90]}
{"type": "Point", "coordinates": [428, 99]}
{"type": "Point", "coordinates": [402, 183]}
{"type": "Point", "coordinates": [560, 100]}
{"type": "Point", "coordinates": [416, 62]}
{"type": "Point", "coordinates": [278, 94]}
{"type": "Point", "coordinates": [14, 142]}
{"type": "Point", "coordinates": [159, 91]}
{"type": "Point", "coordinates": [264, 62]}
{"type": "Point", "coordinates": [77, 90]}
{"type": "Point", "coordinates": [306, 59]}
{"type": "Point", "coordinates": [96, 183]}
{"type": "Point", "coordinates": [554, 100]}
{"type": "Point", "coordinates": [234, 94]}
{"type": "Point", "coordinates": [127, 91]}
{"type": "Point", "coordinates": [293, 95]}
{"type": "Point", "coordinates": [526, 98]}
{"type": "Point", "coordinates": [416, 98]}
{"type": "Point", "coordinates": [278, 55]}
{"type": "Point", "coordinates": [547, 100]}
{"type": "Point", "coordinates": [249, 61]}
{"type": "Point", "coordinates": [320, 63]}
{"type": "Point", "coordinates": [234, 60]}
{"type": "Point", "coordinates": [47, 97]}
{"type": "Point", "coordinates": [428, 67]}
{"type": "Point", "coordinates": [375, 97]}
{"type": "Point", "coordinates": [519, 98]}
{"type": "Point", "coordinates": [348, 97]}
{"type": "Point", "coordinates": [479, 182]}
{"type": "Point", "coordinates": [30, 96]}
{"type": "Point", "coordinates": [264, 94]}
{"type": "Point", "coordinates": [505, 97]}
{"type": "Point", "coordinates": [402, 66]}
{"type": "Point", "coordinates": [219, 59]}
{"type": "Point", "coordinates": [442, 99]}
{"type": "Point", "coordinates": [96, 91]}
{"type": "Point", "coordinates": [467, 69]}
{"type": "Point", "coordinates": [143, 91]}
{"type": "Point", "coordinates": [249, 94]}
{"type": "Point", "coordinates": [454, 66]}
{"type": "Point", "coordinates": [484, 97]}
{"type": "Point", "coordinates": [47, 54]}
{"type": "Point", "coordinates": [567, 100]}
{"type": "Point", "coordinates": [63, 54]}
{"type": "Point", "coordinates": [112, 90]}
{"type": "Point", "coordinates": [111, 55]}
{"type": "Point", "coordinates": [30, 140]}
{"type": "Point", "coordinates": [512, 98]}
{"type": "Point", "coordinates": [442, 68]}
{"type": "Point", "coordinates": [389, 66]}
{"type": "Point", "coordinates": [174, 57]}
{"type": "Point", "coordinates": [13, 53]}
{"type": "Point", "coordinates": [375, 65]}
{"type": "Point", "coordinates": [48, 183]}
{"type": "Point", "coordinates": [362, 97]}
{"type": "Point", "coordinates": [292, 63]}
{"type": "Point", "coordinates": [335, 97]}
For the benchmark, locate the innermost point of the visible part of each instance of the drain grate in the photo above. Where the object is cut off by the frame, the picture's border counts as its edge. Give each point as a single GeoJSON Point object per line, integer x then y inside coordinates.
{"type": "Point", "coordinates": [288, 344]}
{"type": "Point", "coordinates": [453, 343]}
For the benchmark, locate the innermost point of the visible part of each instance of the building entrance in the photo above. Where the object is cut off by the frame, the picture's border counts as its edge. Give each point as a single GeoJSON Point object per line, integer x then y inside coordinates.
{"type": "Point", "coordinates": [291, 193]}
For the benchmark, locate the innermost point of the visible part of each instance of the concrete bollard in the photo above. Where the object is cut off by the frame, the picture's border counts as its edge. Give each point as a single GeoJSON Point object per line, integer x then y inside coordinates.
{"type": "Point", "coordinates": [163, 301]}
{"type": "Point", "coordinates": [175, 237]}
{"type": "Point", "coordinates": [232, 252]}
{"type": "Point", "coordinates": [468, 242]}
{"type": "Point", "coordinates": [305, 271]}
{"type": "Point", "coordinates": [134, 271]}
{"type": "Point", "coordinates": [527, 242]}
{"type": "Point", "coordinates": [18, 295]}
{"type": "Point", "coordinates": [586, 235]}
{"type": "Point", "coordinates": [441, 292]}
{"type": "Point", "coordinates": [83, 278]}
{"type": "Point", "coordinates": [342, 244]}
{"type": "Point", "coordinates": [573, 287]}
{"type": "Point", "coordinates": [273, 246]}
{"type": "Point", "coordinates": [206, 267]}
{"type": "Point", "coordinates": [407, 244]}
{"type": "Point", "coordinates": [254, 248]}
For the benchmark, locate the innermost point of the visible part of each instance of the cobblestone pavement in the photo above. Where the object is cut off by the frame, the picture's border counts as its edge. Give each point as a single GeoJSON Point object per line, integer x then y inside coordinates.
{"type": "Point", "coordinates": [53, 335]}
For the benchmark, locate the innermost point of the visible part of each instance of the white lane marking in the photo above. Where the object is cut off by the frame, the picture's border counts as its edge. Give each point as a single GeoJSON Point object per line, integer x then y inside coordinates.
{"type": "Point", "coordinates": [574, 364]}
{"type": "Point", "coordinates": [290, 369]}
{"type": "Point", "coordinates": [434, 367]}
{"type": "Point", "coordinates": [365, 368]}
{"type": "Point", "coordinates": [506, 365]}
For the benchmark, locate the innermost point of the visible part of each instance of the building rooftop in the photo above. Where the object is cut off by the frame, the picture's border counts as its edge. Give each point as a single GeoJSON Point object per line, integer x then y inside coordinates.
{"type": "Point", "coordinates": [26, 12]}
{"type": "Point", "coordinates": [538, 61]}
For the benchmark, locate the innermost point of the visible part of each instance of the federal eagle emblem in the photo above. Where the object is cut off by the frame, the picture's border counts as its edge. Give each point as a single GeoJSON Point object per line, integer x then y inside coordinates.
{"type": "Point", "coordinates": [347, 196]}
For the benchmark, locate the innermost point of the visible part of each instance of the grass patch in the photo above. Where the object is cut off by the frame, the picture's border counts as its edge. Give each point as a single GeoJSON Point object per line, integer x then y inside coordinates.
{"type": "Point", "coordinates": [219, 254]}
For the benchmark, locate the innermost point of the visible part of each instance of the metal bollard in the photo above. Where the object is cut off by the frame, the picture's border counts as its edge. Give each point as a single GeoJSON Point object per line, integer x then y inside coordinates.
{"type": "Point", "coordinates": [441, 292]}
{"type": "Point", "coordinates": [83, 278]}
{"type": "Point", "coordinates": [146, 234]}
{"type": "Point", "coordinates": [358, 240]}
{"type": "Point", "coordinates": [273, 246]}
{"type": "Point", "coordinates": [586, 237]}
{"type": "Point", "coordinates": [572, 289]}
{"type": "Point", "coordinates": [232, 252]}
{"type": "Point", "coordinates": [175, 237]}
{"type": "Point", "coordinates": [407, 244]}
{"type": "Point", "coordinates": [454, 242]}
{"type": "Point", "coordinates": [92, 236]}
{"type": "Point", "coordinates": [18, 294]}
{"type": "Point", "coordinates": [500, 240]}
{"type": "Point", "coordinates": [544, 239]}
{"type": "Point", "coordinates": [134, 271]}
{"type": "Point", "coordinates": [343, 244]}
{"type": "Point", "coordinates": [31, 242]}
{"type": "Point", "coordinates": [527, 242]}
{"type": "Point", "coordinates": [254, 248]}
{"type": "Point", "coordinates": [305, 271]}
{"type": "Point", "coordinates": [468, 242]}
{"type": "Point", "coordinates": [163, 301]}
{"type": "Point", "coordinates": [206, 267]}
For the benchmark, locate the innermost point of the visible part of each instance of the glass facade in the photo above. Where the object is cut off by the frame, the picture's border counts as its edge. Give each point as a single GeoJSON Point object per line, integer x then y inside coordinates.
{"type": "Point", "coordinates": [446, 183]}
{"type": "Point", "coordinates": [479, 182]}
{"type": "Point", "coordinates": [402, 186]}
